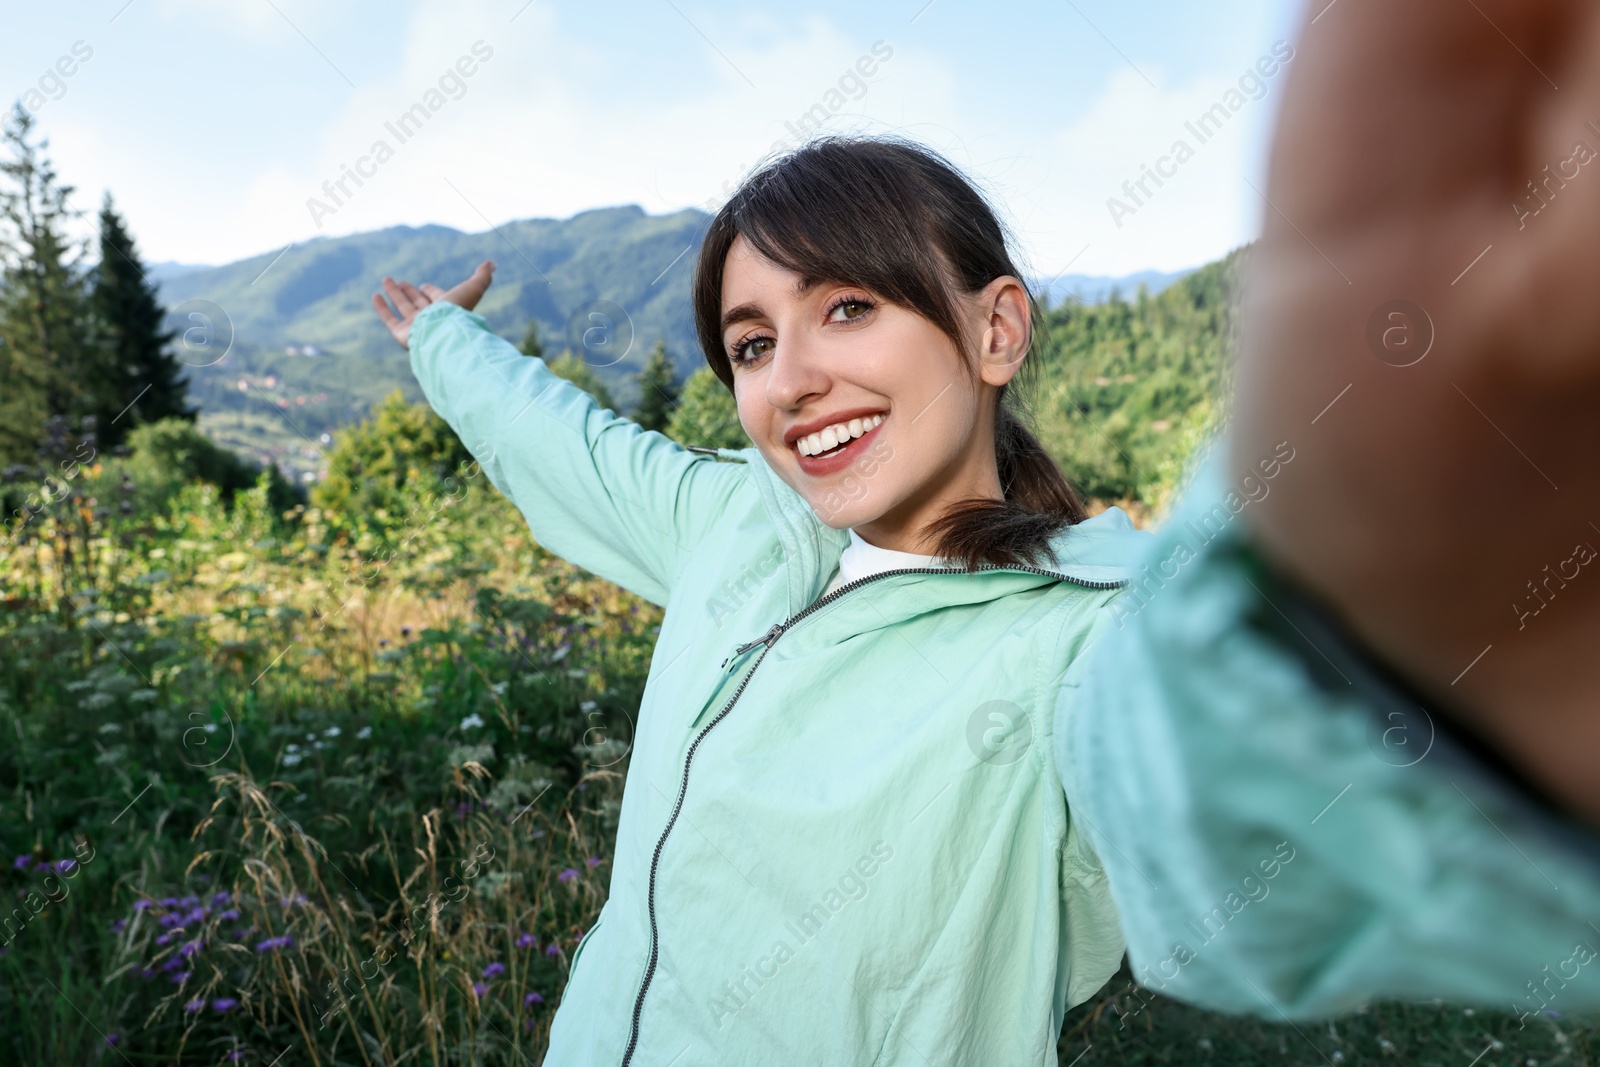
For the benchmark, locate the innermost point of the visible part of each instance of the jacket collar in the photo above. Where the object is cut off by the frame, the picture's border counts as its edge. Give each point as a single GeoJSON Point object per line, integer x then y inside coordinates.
{"type": "Point", "coordinates": [1103, 548]}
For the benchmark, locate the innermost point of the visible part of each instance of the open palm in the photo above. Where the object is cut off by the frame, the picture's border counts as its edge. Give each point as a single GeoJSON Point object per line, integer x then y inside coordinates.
{"type": "Point", "coordinates": [1422, 323]}
{"type": "Point", "coordinates": [410, 299]}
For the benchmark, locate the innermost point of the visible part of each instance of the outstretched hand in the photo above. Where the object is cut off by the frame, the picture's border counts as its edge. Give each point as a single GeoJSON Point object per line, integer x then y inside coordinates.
{"type": "Point", "coordinates": [410, 299]}
{"type": "Point", "coordinates": [1422, 325]}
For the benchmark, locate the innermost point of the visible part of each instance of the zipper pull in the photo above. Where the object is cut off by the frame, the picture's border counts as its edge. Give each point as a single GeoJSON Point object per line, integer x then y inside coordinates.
{"type": "Point", "coordinates": [765, 639]}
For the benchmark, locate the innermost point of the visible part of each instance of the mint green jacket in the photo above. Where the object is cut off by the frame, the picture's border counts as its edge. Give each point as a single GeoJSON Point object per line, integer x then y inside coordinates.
{"type": "Point", "coordinates": [869, 828]}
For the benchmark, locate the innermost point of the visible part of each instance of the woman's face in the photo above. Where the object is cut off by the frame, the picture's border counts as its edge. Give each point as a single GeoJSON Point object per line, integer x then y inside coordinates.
{"type": "Point", "coordinates": [883, 382]}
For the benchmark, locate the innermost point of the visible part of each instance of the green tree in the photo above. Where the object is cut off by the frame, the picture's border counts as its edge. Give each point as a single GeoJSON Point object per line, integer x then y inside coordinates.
{"type": "Point", "coordinates": [531, 345]}
{"type": "Point", "coordinates": [658, 390]}
{"type": "Point", "coordinates": [706, 414]}
{"type": "Point", "coordinates": [149, 382]}
{"type": "Point", "coordinates": [167, 454]}
{"type": "Point", "coordinates": [50, 359]}
{"type": "Point", "coordinates": [401, 445]}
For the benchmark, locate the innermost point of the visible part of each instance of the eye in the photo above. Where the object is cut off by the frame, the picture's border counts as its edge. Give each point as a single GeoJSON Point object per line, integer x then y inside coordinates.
{"type": "Point", "coordinates": [855, 307]}
{"type": "Point", "coordinates": [737, 355]}
{"type": "Point", "coordinates": [861, 304]}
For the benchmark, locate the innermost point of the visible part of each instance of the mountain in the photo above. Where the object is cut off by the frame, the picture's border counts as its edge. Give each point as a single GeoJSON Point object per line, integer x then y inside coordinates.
{"type": "Point", "coordinates": [283, 348]}
{"type": "Point", "coordinates": [160, 272]}
{"type": "Point", "coordinates": [1097, 288]}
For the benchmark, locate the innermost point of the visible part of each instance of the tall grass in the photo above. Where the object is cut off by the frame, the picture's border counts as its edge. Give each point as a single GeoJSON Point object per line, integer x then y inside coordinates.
{"type": "Point", "coordinates": [305, 788]}
{"type": "Point", "coordinates": [346, 789]}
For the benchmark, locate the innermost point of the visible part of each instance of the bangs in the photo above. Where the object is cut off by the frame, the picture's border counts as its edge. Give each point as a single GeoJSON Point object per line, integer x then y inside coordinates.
{"type": "Point", "coordinates": [885, 215]}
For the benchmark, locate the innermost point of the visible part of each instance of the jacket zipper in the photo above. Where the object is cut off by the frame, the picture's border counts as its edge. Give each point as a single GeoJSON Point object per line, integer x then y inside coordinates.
{"type": "Point", "coordinates": [769, 639]}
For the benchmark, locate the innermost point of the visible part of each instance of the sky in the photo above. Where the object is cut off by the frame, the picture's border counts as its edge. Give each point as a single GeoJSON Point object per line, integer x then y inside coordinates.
{"type": "Point", "coordinates": [215, 124]}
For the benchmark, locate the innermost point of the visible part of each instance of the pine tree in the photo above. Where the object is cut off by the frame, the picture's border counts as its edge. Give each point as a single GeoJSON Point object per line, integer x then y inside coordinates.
{"type": "Point", "coordinates": [658, 390]}
{"type": "Point", "coordinates": [149, 382]}
{"type": "Point", "coordinates": [706, 414]}
{"type": "Point", "coordinates": [51, 362]}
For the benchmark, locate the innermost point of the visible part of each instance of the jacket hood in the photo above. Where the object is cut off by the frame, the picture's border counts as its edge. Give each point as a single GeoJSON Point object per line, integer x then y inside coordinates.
{"type": "Point", "coordinates": [1101, 550]}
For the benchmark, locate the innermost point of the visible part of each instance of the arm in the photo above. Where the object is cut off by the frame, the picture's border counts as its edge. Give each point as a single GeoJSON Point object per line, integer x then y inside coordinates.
{"type": "Point", "coordinates": [1285, 831]}
{"type": "Point", "coordinates": [596, 489]}
{"type": "Point", "coordinates": [1420, 326]}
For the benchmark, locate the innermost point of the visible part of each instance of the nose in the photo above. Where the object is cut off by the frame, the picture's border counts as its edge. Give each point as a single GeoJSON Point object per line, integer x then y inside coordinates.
{"type": "Point", "coordinates": [798, 373]}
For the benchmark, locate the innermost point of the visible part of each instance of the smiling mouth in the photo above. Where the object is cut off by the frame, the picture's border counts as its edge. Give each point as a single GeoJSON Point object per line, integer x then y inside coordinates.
{"type": "Point", "coordinates": [836, 438]}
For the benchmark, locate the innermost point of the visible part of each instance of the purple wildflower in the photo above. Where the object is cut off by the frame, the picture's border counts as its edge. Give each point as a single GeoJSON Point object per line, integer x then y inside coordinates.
{"type": "Point", "coordinates": [194, 1005]}
{"type": "Point", "coordinates": [289, 902]}
{"type": "Point", "coordinates": [219, 899]}
{"type": "Point", "coordinates": [169, 902]}
{"type": "Point", "coordinates": [163, 939]}
{"type": "Point", "coordinates": [180, 978]}
{"type": "Point", "coordinates": [147, 972]}
{"type": "Point", "coordinates": [141, 904]}
{"type": "Point", "coordinates": [531, 999]}
{"type": "Point", "coordinates": [190, 949]}
{"type": "Point", "coordinates": [63, 866]}
{"type": "Point", "coordinates": [526, 941]}
{"type": "Point", "coordinates": [567, 875]}
{"type": "Point", "coordinates": [231, 913]}
{"type": "Point", "coordinates": [21, 862]}
{"type": "Point", "coordinates": [479, 989]}
{"type": "Point", "coordinates": [189, 902]}
{"type": "Point", "coordinates": [172, 964]}
{"type": "Point", "coordinates": [224, 1004]}
{"type": "Point", "coordinates": [593, 862]}
{"type": "Point", "coordinates": [42, 865]}
{"type": "Point", "coordinates": [553, 950]}
{"type": "Point", "coordinates": [274, 943]}
{"type": "Point", "coordinates": [112, 1039]}
{"type": "Point", "coordinates": [494, 969]}
{"type": "Point", "coordinates": [117, 926]}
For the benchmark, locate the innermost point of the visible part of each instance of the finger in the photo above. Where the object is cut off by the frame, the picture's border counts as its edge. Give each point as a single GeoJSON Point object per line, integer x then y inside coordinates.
{"type": "Point", "coordinates": [415, 294]}
{"type": "Point", "coordinates": [469, 292]}
{"type": "Point", "coordinates": [402, 302]}
{"type": "Point", "coordinates": [433, 291]}
{"type": "Point", "coordinates": [381, 306]}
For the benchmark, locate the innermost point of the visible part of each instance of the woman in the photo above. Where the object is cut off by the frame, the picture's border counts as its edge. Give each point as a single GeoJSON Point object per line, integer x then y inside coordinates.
{"type": "Point", "coordinates": [843, 838]}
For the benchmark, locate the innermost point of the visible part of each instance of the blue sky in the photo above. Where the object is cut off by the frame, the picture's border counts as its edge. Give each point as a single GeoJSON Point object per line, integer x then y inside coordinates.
{"type": "Point", "coordinates": [216, 122]}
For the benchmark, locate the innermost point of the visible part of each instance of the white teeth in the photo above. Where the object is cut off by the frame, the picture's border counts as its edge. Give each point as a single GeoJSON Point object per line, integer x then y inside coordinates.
{"type": "Point", "coordinates": [834, 435]}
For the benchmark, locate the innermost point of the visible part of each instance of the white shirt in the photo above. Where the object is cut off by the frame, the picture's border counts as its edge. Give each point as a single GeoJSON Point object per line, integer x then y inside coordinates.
{"type": "Point", "coordinates": [861, 558]}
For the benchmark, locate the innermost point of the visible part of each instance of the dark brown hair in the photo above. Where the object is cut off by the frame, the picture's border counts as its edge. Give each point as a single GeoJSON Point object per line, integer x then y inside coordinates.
{"type": "Point", "coordinates": [868, 211]}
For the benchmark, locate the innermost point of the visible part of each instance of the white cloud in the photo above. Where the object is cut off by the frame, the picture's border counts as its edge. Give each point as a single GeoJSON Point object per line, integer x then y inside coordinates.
{"type": "Point", "coordinates": [550, 125]}
{"type": "Point", "coordinates": [1191, 218]}
{"type": "Point", "coordinates": [558, 121]}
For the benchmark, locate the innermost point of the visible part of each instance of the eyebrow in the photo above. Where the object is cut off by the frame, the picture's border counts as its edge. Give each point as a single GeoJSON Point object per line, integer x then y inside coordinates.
{"type": "Point", "coordinates": [746, 312]}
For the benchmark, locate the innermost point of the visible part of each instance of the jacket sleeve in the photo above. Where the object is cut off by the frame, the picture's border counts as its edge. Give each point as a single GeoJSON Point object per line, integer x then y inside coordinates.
{"type": "Point", "coordinates": [1286, 831]}
{"type": "Point", "coordinates": [622, 502]}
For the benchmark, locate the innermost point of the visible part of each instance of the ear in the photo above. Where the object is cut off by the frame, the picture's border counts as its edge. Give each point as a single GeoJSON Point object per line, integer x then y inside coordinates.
{"type": "Point", "coordinates": [1003, 306]}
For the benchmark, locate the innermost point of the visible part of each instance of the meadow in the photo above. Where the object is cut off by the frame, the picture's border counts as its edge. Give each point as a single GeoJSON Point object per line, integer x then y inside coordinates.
{"type": "Point", "coordinates": [334, 779]}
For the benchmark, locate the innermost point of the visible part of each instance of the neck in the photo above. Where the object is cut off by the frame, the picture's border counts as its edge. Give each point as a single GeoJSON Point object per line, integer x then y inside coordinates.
{"type": "Point", "coordinates": [974, 475]}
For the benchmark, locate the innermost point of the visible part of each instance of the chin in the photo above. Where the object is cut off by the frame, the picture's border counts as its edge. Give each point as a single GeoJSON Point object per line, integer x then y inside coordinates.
{"type": "Point", "coordinates": [840, 512]}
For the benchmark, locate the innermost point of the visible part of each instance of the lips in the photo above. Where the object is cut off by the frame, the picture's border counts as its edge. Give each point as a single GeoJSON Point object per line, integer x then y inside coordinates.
{"type": "Point", "coordinates": [839, 458]}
